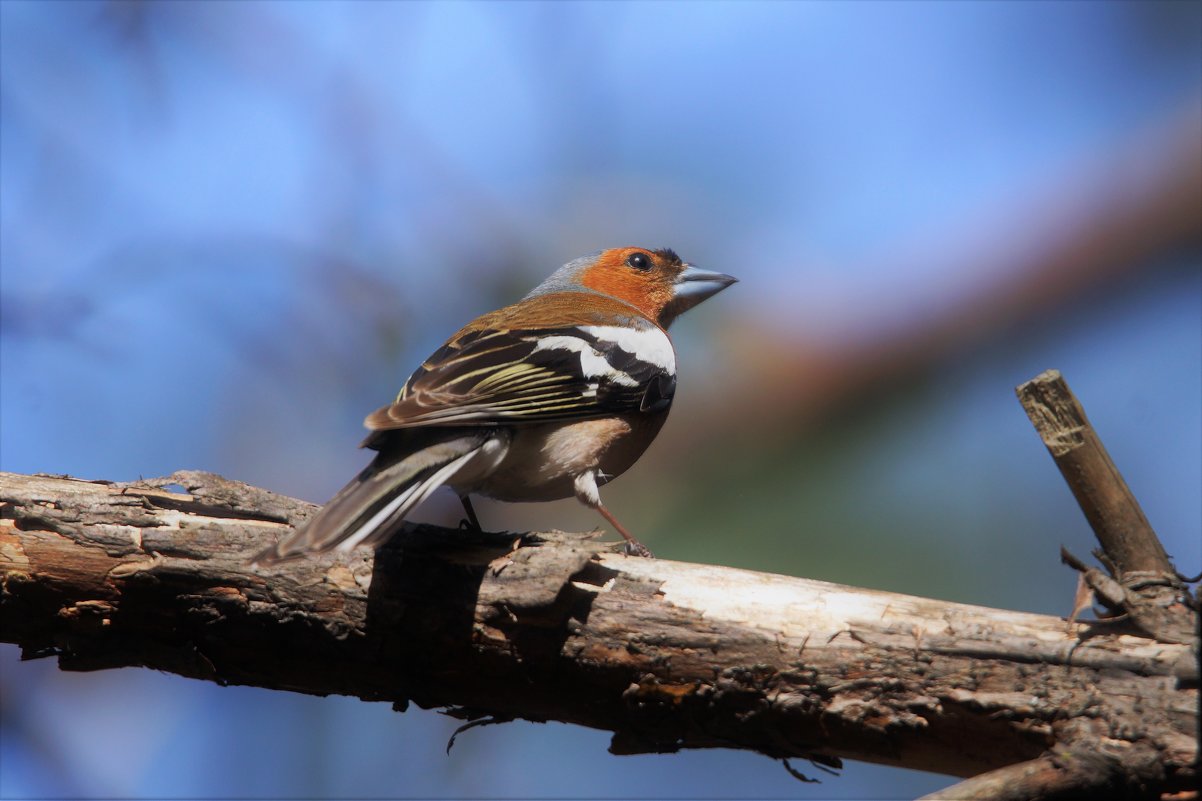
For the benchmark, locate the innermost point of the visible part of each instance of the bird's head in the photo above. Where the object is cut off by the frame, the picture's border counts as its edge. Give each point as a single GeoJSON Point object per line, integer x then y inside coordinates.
{"type": "Point", "coordinates": [656, 282]}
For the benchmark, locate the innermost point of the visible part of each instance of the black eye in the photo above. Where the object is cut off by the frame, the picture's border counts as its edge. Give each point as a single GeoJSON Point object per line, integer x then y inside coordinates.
{"type": "Point", "coordinates": [639, 261]}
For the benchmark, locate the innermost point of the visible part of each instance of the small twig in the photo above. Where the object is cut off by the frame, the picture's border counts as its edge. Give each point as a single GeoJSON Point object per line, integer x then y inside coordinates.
{"type": "Point", "coordinates": [1083, 599]}
{"type": "Point", "coordinates": [1107, 590]}
{"type": "Point", "coordinates": [489, 720]}
{"type": "Point", "coordinates": [797, 774]}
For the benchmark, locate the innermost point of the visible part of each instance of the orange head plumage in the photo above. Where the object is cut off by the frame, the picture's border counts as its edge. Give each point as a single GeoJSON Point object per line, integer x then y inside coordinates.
{"type": "Point", "coordinates": [655, 282]}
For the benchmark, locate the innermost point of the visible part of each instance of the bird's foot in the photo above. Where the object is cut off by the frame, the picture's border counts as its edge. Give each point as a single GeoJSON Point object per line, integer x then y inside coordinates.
{"type": "Point", "coordinates": [471, 522]}
{"type": "Point", "coordinates": [633, 547]}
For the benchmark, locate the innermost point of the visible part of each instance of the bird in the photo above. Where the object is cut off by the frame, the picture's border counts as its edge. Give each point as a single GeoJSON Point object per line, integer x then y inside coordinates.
{"type": "Point", "coordinates": [548, 398]}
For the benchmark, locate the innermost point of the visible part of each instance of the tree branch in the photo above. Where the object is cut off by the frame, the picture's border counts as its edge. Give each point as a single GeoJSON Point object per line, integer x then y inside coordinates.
{"type": "Point", "coordinates": [1064, 777]}
{"type": "Point", "coordinates": [1103, 495]}
{"type": "Point", "coordinates": [666, 655]}
{"type": "Point", "coordinates": [1148, 587]}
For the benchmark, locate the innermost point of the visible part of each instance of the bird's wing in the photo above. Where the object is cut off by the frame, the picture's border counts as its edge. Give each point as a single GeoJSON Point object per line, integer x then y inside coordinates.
{"type": "Point", "coordinates": [507, 375]}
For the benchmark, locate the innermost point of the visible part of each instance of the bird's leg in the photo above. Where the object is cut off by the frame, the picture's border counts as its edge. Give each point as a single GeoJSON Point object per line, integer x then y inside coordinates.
{"type": "Point", "coordinates": [633, 546]}
{"type": "Point", "coordinates": [472, 522]}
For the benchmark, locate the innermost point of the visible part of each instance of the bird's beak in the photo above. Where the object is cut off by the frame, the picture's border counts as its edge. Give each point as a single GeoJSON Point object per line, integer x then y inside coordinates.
{"type": "Point", "coordinates": [694, 285]}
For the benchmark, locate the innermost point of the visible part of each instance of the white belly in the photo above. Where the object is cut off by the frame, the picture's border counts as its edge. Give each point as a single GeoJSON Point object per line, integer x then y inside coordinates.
{"type": "Point", "coordinates": [541, 463]}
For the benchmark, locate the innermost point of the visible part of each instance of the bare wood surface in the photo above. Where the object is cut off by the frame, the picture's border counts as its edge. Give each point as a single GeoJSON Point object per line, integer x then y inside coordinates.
{"type": "Point", "coordinates": [666, 655]}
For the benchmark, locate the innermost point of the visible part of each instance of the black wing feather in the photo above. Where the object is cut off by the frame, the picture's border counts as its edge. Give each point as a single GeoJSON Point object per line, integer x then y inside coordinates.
{"type": "Point", "coordinates": [491, 376]}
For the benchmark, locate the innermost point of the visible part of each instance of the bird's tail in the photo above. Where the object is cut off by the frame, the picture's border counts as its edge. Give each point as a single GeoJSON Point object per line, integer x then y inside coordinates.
{"type": "Point", "coordinates": [366, 511]}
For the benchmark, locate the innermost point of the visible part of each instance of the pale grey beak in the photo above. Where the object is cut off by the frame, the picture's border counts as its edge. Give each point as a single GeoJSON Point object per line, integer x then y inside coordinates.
{"type": "Point", "coordinates": [693, 285]}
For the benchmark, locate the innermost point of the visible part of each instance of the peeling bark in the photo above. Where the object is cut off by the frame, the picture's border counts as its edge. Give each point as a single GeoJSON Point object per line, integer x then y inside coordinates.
{"type": "Point", "coordinates": [666, 655]}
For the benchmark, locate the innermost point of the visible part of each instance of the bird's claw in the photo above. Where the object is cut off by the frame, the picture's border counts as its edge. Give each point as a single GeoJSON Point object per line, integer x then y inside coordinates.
{"type": "Point", "coordinates": [636, 548]}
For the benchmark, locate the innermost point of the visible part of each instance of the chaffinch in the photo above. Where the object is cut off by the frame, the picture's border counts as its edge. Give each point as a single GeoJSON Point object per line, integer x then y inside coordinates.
{"type": "Point", "coordinates": [545, 399]}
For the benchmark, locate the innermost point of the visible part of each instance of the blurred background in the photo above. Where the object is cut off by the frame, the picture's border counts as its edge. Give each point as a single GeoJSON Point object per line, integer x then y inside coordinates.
{"type": "Point", "coordinates": [228, 231]}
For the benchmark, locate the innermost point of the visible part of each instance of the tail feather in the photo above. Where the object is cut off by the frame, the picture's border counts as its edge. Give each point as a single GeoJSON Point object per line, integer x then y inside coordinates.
{"type": "Point", "coordinates": [366, 510]}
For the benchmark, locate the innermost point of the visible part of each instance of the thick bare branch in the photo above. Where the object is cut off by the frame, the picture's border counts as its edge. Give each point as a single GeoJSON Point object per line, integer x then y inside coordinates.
{"type": "Point", "coordinates": [664, 654]}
